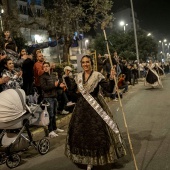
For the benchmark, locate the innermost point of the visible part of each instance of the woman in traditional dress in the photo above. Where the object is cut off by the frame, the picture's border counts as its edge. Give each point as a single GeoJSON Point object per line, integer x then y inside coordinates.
{"type": "Point", "coordinates": [93, 136]}
{"type": "Point", "coordinates": [160, 70]}
{"type": "Point", "coordinates": [152, 77]}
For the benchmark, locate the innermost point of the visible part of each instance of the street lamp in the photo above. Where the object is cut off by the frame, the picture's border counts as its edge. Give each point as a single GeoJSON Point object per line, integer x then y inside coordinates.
{"type": "Point", "coordinates": [122, 23]}
{"type": "Point", "coordinates": [1, 12]}
{"type": "Point", "coordinates": [167, 49]}
{"type": "Point", "coordinates": [149, 34]}
{"type": "Point", "coordinates": [163, 49]}
{"type": "Point", "coordinates": [136, 40]}
{"type": "Point", "coordinates": [86, 42]}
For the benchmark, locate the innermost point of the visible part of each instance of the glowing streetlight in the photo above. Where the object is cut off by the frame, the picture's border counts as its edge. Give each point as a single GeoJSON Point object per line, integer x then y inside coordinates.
{"type": "Point", "coordinates": [167, 45]}
{"type": "Point", "coordinates": [37, 38]}
{"type": "Point", "coordinates": [86, 42]}
{"type": "Point", "coordinates": [122, 23]}
{"type": "Point", "coordinates": [149, 34]}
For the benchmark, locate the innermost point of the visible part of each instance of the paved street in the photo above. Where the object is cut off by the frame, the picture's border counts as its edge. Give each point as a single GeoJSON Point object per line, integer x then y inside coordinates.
{"type": "Point", "coordinates": [147, 115]}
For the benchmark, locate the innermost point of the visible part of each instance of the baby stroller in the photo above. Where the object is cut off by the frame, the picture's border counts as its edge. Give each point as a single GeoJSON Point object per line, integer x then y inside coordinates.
{"type": "Point", "coordinates": [15, 119]}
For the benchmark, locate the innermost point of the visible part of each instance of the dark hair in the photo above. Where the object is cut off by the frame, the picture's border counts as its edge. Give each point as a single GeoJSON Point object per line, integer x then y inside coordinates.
{"type": "Point", "coordinates": [2, 52]}
{"type": "Point", "coordinates": [11, 46]}
{"type": "Point", "coordinates": [87, 56]}
{"type": "Point", "coordinates": [46, 63]}
{"type": "Point", "coordinates": [34, 53]}
{"type": "Point", "coordinates": [6, 31]}
{"type": "Point", "coordinates": [21, 50]}
{"type": "Point", "coordinates": [5, 61]}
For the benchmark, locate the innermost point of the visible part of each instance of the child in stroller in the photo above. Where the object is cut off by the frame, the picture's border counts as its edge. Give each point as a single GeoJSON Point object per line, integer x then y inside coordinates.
{"type": "Point", "coordinates": [17, 116]}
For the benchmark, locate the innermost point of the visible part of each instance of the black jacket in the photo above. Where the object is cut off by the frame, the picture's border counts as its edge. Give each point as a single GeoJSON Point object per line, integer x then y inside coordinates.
{"type": "Point", "coordinates": [47, 83]}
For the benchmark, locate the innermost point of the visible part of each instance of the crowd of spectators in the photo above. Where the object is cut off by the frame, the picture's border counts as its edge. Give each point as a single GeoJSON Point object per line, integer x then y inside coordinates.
{"type": "Point", "coordinates": [128, 72]}
{"type": "Point", "coordinates": [33, 74]}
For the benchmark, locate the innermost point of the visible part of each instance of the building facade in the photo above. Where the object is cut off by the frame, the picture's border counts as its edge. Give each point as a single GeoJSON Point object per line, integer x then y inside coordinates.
{"type": "Point", "coordinates": [31, 12]}
{"type": "Point", "coordinates": [28, 16]}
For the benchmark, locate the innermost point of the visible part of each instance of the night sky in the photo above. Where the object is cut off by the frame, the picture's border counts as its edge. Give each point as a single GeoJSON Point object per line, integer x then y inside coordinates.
{"type": "Point", "coordinates": [153, 15]}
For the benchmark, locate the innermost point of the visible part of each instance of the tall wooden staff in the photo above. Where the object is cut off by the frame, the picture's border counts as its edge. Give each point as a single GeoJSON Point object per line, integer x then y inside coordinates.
{"type": "Point", "coordinates": [123, 113]}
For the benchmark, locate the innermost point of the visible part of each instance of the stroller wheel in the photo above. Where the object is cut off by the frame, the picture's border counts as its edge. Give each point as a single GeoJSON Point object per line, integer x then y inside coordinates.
{"type": "Point", "coordinates": [13, 161]}
{"type": "Point", "coordinates": [43, 146]}
{"type": "Point", "coordinates": [3, 158]}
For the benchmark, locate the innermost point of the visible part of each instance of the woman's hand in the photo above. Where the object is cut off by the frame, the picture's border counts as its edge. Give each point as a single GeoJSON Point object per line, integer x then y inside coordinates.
{"type": "Point", "coordinates": [19, 74]}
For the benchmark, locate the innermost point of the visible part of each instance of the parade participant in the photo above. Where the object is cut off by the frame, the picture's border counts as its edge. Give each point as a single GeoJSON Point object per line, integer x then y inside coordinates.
{"type": "Point", "coordinates": [160, 70]}
{"type": "Point", "coordinates": [93, 137]}
{"type": "Point", "coordinates": [152, 78]}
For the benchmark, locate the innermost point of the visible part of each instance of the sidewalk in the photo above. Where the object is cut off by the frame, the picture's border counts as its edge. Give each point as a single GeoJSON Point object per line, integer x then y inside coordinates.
{"type": "Point", "coordinates": [61, 121]}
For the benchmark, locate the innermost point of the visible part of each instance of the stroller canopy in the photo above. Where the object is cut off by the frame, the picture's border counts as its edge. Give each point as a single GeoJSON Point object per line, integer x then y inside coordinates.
{"type": "Point", "coordinates": [12, 104]}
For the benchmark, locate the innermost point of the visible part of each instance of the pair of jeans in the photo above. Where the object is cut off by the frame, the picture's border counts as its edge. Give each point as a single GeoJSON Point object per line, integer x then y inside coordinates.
{"type": "Point", "coordinates": [124, 87]}
{"type": "Point", "coordinates": [52, 113]}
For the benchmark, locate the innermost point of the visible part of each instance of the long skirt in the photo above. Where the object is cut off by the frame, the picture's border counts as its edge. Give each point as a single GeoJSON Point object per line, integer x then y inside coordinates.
{"type": "Point", "coordinates": [153, 79]}
{"type": "Point", "coordinates": [89, 139]}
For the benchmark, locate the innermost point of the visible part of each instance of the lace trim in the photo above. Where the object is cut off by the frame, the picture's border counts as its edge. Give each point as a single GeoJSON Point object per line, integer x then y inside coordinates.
{"type": "Point", "coordinates": [93, 81]}
{"type": "Point", "coordinates": [110, 157]}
